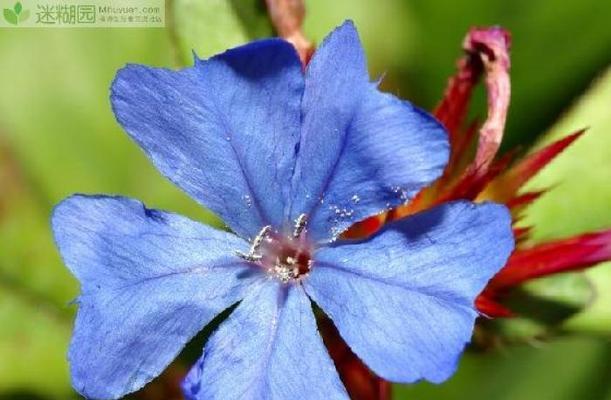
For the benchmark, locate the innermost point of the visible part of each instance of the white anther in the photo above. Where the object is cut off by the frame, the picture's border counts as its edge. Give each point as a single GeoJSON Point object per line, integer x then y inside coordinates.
{"type": "Point", "coordinates": [263, 233]}
{"type": "Point", "coordinates": [252, 255]}
{"type": "Point", "coordinates": [300, 224]}
{"type": "Point", "coordinates": [249, 257]}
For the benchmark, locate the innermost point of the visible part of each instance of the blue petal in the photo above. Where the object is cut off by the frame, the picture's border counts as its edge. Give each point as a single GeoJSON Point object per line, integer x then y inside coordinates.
{"type": "Point", "coordinates": [225, 130]}
{"type": "Point", "coordinates": [150, 280]}
{"type": "Point", "coordinates": [403, 301]}
{"type": "Point", "coordinates": [361, 151]}
{"type": "Point", "coordinates": [268, 348]}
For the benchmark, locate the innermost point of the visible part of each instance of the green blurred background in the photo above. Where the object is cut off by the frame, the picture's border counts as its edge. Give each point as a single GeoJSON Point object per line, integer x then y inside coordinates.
{"type": "Point", "coordinates": [58, 136]}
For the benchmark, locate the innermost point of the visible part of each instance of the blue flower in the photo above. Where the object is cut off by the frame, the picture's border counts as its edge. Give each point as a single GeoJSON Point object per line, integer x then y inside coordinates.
{"type": "Point", "coordinates": [289, 159]}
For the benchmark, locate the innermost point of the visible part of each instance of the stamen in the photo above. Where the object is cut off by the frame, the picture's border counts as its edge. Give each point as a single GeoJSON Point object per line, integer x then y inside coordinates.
{"type": "Point", "coordinates": [252, 255]}
{"type": "Point", "coordinates": [249, 257]}
{"type": "Point", "coordinates": [300, 224]}
{"type": "Point", "coordinates": [285, 257]}
{"type": "Point", "coordinates": [263, 233]}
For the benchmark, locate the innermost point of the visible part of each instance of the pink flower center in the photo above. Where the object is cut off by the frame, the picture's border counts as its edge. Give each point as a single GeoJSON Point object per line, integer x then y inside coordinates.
{"type": "Point", "coordinates": [287, 258]}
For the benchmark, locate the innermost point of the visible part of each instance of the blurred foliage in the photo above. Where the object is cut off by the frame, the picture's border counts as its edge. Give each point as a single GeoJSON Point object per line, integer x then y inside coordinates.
{"type": "Point", "coordinates": [58, 136]}
{"type": "Point", "coordinates": [212, 26]}
{"type": "Point", "coordinates": [568, 369]}
{"type": "Point", "coordinates": [581, 197]}
{"type": "Point", "coordinates": [578, 202]}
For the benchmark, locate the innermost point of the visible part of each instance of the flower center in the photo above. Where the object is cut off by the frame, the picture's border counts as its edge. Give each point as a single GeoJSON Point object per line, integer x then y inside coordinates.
{"type": "Point", "coordinates": [285, 257]}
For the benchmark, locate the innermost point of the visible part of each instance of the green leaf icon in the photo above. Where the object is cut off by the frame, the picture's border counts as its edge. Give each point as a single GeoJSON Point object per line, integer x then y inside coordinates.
{"type": "Point", "coordinates": [24, 15]}
{"type": "Point", "coordinates": [18, 7]}
{"type": "Point", "coordinates": [10, 16]}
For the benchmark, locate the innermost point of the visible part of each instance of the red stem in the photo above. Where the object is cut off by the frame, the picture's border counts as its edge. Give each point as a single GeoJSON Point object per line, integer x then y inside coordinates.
{"type": "Point", "coordinates": [287, 18]}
